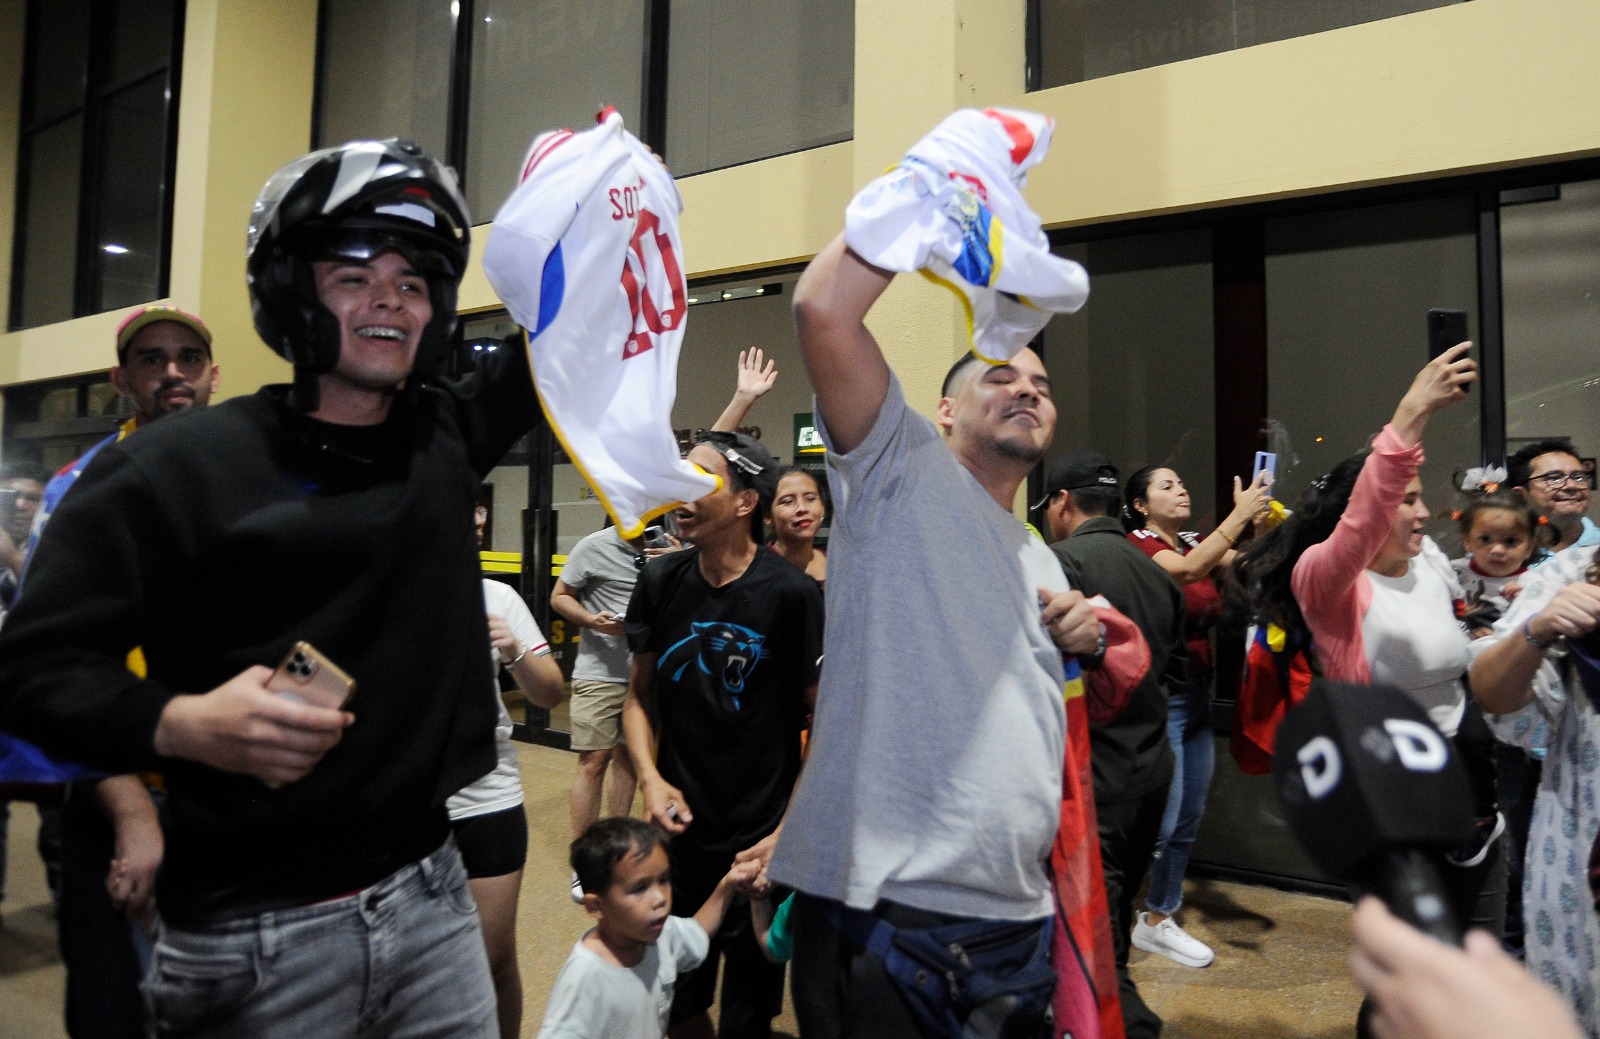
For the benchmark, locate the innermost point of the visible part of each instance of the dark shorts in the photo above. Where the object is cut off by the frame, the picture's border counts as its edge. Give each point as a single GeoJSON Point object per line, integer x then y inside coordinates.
{"type": "Point", "coordinates": [493, 844]}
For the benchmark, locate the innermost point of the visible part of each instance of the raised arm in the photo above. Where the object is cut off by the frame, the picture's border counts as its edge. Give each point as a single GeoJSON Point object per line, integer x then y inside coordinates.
{"type": "Point", "coordinates": [1327, 572]}
{"type": "Point", "coordinates": [1216, 549]}
{"type": "Point", "coordinates": [754, 380]}
{"type": "Point", "coordinates": [846, 367]}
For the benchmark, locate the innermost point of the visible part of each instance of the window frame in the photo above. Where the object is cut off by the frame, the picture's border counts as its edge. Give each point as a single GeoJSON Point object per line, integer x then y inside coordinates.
{"type": "Point", "coordinates": [98, 91]}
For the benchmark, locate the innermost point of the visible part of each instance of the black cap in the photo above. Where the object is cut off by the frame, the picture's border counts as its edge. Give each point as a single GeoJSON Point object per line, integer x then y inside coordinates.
{"type": "Point", "coordinates": [1078, 469]}
{"type": "Point", "coordinates": [750, 459]}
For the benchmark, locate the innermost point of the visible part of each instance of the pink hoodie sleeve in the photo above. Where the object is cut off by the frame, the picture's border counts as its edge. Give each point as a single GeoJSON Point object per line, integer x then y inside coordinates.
{"type": "Point", "coordinates": [1330, 581]}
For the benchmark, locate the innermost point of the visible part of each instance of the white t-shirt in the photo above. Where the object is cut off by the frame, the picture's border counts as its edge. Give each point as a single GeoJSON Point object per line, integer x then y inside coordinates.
{"type": "Point", "coordinates": [1413, 639]}
{"type": "Point", "coordinates": [593, 999]}
{"type": "Point", "coordinates": [501, 788]}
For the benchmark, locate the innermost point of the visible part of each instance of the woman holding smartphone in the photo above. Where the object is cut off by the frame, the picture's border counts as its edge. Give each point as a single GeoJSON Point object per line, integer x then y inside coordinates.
{"type": "Point", "coordinates": [1378, 598]}
{"type": "Point", "coordinates": [1157, 510]}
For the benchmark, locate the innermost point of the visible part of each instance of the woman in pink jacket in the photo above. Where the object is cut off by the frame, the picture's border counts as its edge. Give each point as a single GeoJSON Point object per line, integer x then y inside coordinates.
{"type": "Point", "coordinates": [1377, 595]}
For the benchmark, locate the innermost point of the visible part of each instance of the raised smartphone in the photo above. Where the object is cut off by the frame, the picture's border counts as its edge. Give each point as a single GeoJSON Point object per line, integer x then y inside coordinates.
{"type": "Point", "coordinates": [1265, 460]}
{"type": "Point", "coordinates": [1446, 328]}
{"type": "Point", "coordinates": [312, 678]}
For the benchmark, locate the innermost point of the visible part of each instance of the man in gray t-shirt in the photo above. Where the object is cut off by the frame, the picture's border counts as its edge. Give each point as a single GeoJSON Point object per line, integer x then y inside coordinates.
{"type": "Point", "coordinates": [933, 786]}
{"type": "Point", "coordinates": [592, 592]}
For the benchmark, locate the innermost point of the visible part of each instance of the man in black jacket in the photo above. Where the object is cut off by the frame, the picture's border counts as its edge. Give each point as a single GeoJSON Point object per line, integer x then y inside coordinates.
{"type": "Point", "coordinates": [309, 886]}
{"type": "Point", "coordinates": [1131, 756]}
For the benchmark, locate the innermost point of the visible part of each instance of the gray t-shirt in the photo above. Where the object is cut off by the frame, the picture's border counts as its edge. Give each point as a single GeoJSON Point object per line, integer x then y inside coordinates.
{"type": "Point", "coordinates": [934, 776]}
{"type": "Point", "coordinates": [600, 569]}
{"type": "Point", "coordinates": [593, 999]}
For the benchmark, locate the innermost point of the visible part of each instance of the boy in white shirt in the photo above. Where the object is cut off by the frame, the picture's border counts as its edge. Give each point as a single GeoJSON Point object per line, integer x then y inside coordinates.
{"type": "Point", "coordinates": [619, 979]}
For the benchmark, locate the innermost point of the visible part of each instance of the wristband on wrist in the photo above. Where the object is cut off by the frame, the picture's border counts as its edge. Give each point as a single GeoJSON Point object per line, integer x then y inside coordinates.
{"type": "Point", "coordinates": [1533, 640]}
{"type": "Point", "coordinates": [513, 661]}
{"type": "Point", "coordinates": [1225, 536]}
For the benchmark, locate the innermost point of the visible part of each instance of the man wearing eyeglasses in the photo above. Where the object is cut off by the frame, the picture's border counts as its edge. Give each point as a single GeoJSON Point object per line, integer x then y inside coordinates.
{"type": "Point", "coordinates": [25, 483]}
{"type": "Point", "coordinates": [1553, 478]}
{"type": "Point", "coordinates": [111, 843]}
{"type": "Point", "coordinates": [1556, 481]}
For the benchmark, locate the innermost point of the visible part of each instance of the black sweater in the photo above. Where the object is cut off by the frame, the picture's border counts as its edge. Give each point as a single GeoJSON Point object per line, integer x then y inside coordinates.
{"type": "Point", "coordinates": [216, 539]}
{"type": "Point", "coordinates": [1131, 754]}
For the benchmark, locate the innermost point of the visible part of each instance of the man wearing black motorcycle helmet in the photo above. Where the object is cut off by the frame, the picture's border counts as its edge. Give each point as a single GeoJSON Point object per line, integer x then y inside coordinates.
{"type": "Point", "coordinates": [309, 887]}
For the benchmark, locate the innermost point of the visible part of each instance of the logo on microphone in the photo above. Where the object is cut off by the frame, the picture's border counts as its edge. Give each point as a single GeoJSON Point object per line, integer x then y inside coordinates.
{"type": "Point", "coordinates": [1418, 748]}
{"type": "Point", "coordinates": [1320, 767]}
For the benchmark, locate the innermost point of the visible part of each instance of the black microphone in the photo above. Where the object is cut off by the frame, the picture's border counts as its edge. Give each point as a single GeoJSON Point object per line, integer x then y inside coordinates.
{"type": "Point", "coordinates": [1375, 795]}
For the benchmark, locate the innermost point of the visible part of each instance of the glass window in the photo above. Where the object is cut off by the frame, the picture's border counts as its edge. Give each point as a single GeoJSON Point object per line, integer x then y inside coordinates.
{"type": "Point", "coordinates": [1348, 293]}
{"type": "Point", "coordinates": [50, 222]}
{"type": "Point", "coordinates": [141, 38]}
{"type": "Point", "coordinates": [60, 56]}
{"type": "Point", "coordinates": [56, 421]}
{"type": "Point", "coordinates": [748, 79]}
{"type": "Point", "coordinates": [540, 65]}
{"type": "Point", "coordinates": [1132, 370]}
{"type": "Point", "coordinates": [1550, 263]}
{"type": "Point", "coordinates": [1087, 39]}
{"type": "Point", "coordinates": [83, 251]}
{"type": "Point", "coordinates": [385, 71]}
{"type": "Point", "coordinates": [132, 176]}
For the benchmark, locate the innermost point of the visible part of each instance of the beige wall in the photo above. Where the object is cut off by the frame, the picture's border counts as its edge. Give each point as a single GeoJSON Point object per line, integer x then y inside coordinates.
{"type": "Point", "coordinates": [1489, 84]}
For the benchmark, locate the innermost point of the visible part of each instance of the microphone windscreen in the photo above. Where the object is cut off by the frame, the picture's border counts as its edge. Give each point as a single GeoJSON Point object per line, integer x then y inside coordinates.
{"type": "Point", "coordinates": [1361, 769]}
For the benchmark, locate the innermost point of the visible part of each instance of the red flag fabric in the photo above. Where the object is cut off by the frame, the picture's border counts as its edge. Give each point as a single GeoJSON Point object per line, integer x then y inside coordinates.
{"type": "Point", "coordinates": [1086, 1004]}
{"type": "Point", "coordinates": [1277, 675]}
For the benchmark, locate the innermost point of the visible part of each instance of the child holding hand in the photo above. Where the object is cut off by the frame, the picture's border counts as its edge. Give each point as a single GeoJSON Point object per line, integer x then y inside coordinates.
{"type": "Point", "coordinates": [619, 978]}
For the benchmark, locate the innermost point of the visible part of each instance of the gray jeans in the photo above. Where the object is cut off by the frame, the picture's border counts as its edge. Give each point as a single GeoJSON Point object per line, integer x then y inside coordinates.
{"type": "Point", "coordinates": [403, 958]}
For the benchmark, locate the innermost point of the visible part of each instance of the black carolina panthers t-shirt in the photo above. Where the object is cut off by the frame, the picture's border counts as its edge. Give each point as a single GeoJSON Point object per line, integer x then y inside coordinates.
{"type": "Point", "coordinates": [732, 667]}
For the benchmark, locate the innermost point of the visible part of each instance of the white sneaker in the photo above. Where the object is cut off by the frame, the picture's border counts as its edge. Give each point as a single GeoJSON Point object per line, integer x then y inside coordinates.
{"type": "Point", "coordinates": [1169, 940]}
{"type": "Point", "coordinates": [577, 893]}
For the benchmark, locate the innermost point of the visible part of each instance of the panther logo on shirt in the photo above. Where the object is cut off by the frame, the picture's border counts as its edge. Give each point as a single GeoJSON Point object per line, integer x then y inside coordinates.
{"type": "Point", "coordinates": [726, 652]}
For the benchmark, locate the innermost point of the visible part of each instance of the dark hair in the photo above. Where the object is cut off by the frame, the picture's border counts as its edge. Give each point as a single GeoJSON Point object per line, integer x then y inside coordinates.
{"type": "Point", "coordinates": [597, 851]}
{"type": "Point", "coordinates": [1519, 465]}
{"type": "Point", "coordinates": [1096, 500]}
{"type": "Point", "coordinates": [1503, 499]}
{"type": "Point", "coordinates": [821, 485]}
{"type": "Point", "coordinates": [34, 471]}
{"type": "Point", "coordinates": [966, 361]}
{"type": "Point", "coordinates": [1258, 587]}
{"type": "Point", "coordinates": [1137, 489]}
{"type": "Point", "coordinates": [764, 483]}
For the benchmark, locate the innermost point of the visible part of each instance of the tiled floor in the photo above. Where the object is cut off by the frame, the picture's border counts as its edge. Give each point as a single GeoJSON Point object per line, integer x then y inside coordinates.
{"type": "Point", "coordinates": [1279, 972]}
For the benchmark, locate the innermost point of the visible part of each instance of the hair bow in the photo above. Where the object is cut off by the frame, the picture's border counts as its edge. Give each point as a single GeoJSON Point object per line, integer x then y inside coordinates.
{"type": "Point", "coordinates": [1483, 478]}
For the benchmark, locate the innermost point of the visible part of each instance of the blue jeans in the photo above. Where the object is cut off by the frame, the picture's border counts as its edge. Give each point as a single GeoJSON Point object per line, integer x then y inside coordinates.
{"type": "Point", "coordinates": [1194, 752]}
{"type": "Point", "coordinates": [402, 958]}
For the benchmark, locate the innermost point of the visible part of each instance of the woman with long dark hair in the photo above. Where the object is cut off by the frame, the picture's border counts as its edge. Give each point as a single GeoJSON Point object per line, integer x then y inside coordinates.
{"type": "Point", "coordinates": [1377, 595]}
{"type": "Point", "coordinates": [797, 513]}
{"type": "Point", "coordinates": [1157, 509]}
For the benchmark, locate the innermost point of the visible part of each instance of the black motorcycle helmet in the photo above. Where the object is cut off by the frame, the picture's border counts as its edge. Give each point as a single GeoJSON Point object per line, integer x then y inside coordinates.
{"type": "Point", "coordinates": [352, 202]}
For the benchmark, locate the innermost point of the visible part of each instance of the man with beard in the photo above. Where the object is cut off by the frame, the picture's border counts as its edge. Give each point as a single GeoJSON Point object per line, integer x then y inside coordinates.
{"type": "Point", "coordinates": [111, 836]}
{"type": "Point", "coordinates": [933, 788]}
